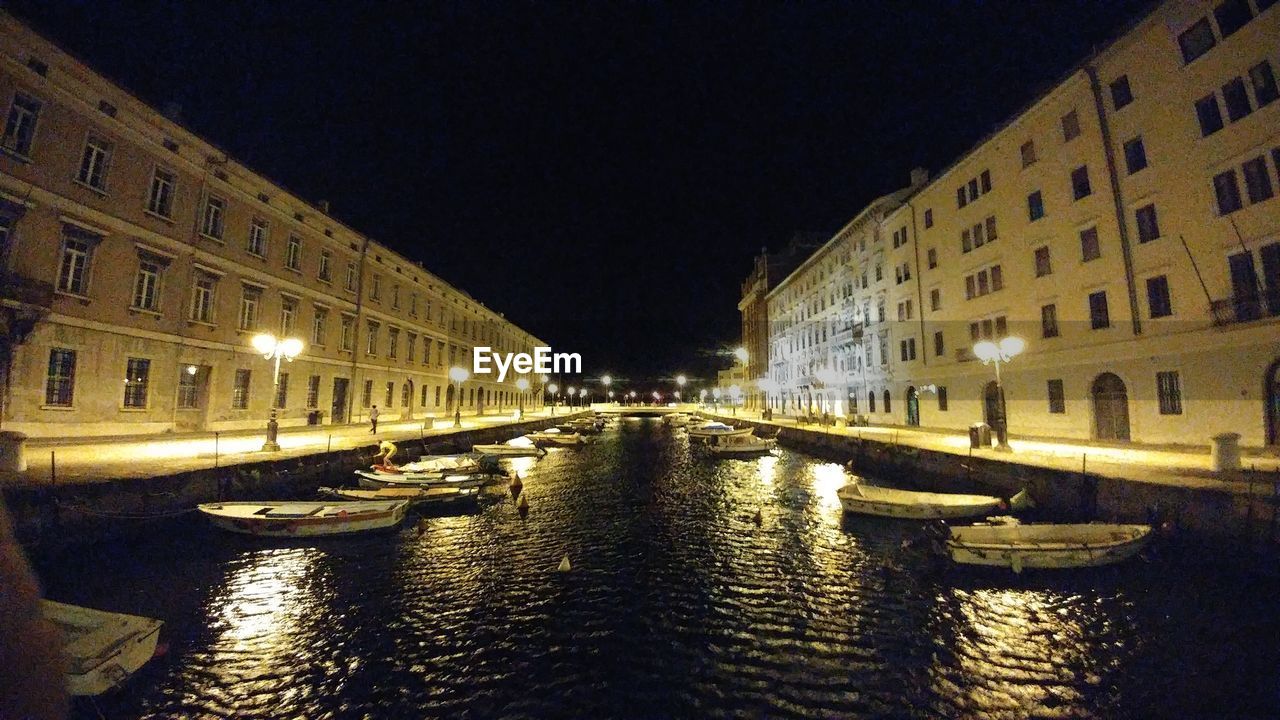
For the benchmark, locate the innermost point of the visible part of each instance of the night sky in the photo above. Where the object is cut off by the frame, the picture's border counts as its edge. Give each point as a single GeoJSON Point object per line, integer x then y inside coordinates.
{"type": "Point", "coordinates": [603, 173]}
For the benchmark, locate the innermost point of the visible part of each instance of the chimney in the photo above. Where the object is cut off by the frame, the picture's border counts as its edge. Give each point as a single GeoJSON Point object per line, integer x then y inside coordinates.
{"type": "Point", "coordinates": [919, 176]}
{"type": "Point", "coordinates": [324, 206]}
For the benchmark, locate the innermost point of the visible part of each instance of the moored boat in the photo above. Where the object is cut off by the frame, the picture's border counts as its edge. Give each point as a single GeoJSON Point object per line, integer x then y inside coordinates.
{"type": "Point", "coordinates": [891, 502]}
{"type": "Point", "coordinates": [375, 480]}
{"type": "Point", "coordinates": [739, 445]}
{"type": "Point", "coordinates": [288, 518]}
{"type": "Point", "coordinates": [509, 450]}
{"type": "Point", "coordinates": [1046, 545]}
{"type": "Point", "coordinates": [102, 648]}
{"type": "Point", "coordinates": [414, 495]}
{"type": "Point", "coordinates": [554, 436]}
{"type": "Point", "coordinates": [715, 429]}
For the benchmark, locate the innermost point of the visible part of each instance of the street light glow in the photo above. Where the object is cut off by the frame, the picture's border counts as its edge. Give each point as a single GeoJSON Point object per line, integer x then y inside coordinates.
{"type": "Point", "coordinates": [522, 384]}
{"type": "Point", "coordinates": [458, 374]}
{"type": "Point", "coordinates": [741, 354]}
{"type": "Point", "coordinates": [681, 380]}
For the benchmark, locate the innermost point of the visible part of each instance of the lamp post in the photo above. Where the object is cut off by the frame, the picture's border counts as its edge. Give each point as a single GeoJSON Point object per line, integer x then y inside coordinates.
{"type": "Point", "coordinates": [273, 348]}
{"type": "Point", "coordinates": [989, 352]}
{"type": "Point", "coordinates": [633, 397]}
{"type": "Point", "coordinates": [715, 394]}
{"type": "Point", "coordinates": [607, 381]}
{"type": "Point", "coordinates": [702, 396]}
{"type": "Point", "coordinates": [768, 386]}
{"type": "Point", "coordinates": [553, 389]}
{"type": "Point", "coordinates": [735, 396]}
{"type": "Point", "coordinates": [458, 375]}
{"type": "Point", "coordinates": [657, 398]}
{"type": "Point", "coordinates": [523, 386]}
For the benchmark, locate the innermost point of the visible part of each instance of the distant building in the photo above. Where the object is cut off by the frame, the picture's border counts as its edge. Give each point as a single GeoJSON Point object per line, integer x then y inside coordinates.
{"type": "Point", "coordinates": [138, 261]}
{"type": "Point", "coordinates": [1125, 224]}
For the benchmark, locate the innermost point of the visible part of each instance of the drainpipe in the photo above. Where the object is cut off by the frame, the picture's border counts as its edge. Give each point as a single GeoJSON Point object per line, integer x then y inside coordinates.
{"type": "Point", "coordinates": [1126, 249]}
{"type": "Point", "coordinates": [924, 356]}
{"type": "Point", "coordinates": [355, 331]}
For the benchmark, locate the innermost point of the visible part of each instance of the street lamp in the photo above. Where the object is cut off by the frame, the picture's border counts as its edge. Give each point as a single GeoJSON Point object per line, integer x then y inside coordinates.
{"type": "Point", "coordinates": [553, 389]}
{"type": "Point", "coordinates": [768, 385]}
{"type": "Point", "coordinates": [657, 397]}
{"type": "Point", "coordinates": [458, 375]}
{"type": "Point", "coordinates": [741, 354]}
{"type": "Point", "coordinates": [570, 392]}
{"type": "Point", "coordinates": [702, 396]}
{"type": "Point", "coordinates": [989, 352]}
{"type": "Point", "coordinates": [273, 348]}
{"type": "Point", "coordinates": [735, 394]}
{"type": "Point", "coordinates": [715, 406]}
{"type": "Point", "coordinates": [523, 386]}
{"type": "Point", "coordinates": [633, 397]}
{"type": "Point", "coordinates": [607, 381]}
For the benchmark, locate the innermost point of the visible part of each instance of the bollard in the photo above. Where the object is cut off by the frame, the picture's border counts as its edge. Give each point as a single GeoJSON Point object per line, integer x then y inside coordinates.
{"type": "Point", "coordinates": [1226, 452]}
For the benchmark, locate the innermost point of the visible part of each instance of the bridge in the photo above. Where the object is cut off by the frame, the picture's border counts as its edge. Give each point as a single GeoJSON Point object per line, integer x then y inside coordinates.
{"type": "Point", "coordinates": [639, 410]}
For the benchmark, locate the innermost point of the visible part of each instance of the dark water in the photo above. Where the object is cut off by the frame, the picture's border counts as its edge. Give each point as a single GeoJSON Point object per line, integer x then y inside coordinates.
{"type": "Point", "coordinates": [678, 605]}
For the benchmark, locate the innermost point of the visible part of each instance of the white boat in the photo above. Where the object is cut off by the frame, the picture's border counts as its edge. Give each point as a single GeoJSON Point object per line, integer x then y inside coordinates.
{"type": "Point", "coordinates": [715, 429]}
{"type": "Point", "coordinates": [508, 450]}
{"type": "Point", "coordinates": [375, 480]}
{"type": "Point", "coordinates": [287, 518]}
{"type": "Point", "coordinates": [414, 495]}
{"type": "Point", "coordinates": [739, 444]}
{"type": "Point", "coordinates": [554, 436]}
{"type": "Point", "coordinates": [102, 648]}
{"type": "Point", "coordinates": [1046, 546]}
{"type": "Point", "coordinates": [890, 502]}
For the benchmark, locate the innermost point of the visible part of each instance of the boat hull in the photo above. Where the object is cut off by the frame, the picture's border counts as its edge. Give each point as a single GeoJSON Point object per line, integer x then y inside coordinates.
{"type": "Point", "coordinates": [1094, 548]}
{"type": "Point", "coordinates": [373, 480]}
{"type": "Point", "coordinates": [104, 648]}
{"type": "Point", "coordinates": [508, 450]}
{"type": "Point", "coordinates": [905, 504]}
{"type": "Point", "coordinates": [347, 518]}
{"type": "Point", "coordinates": [415, 495]}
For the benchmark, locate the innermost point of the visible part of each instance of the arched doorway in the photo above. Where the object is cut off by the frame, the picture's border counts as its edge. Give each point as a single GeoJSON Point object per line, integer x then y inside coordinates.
{"type": "Point", "coordinates": [887, 398]}
{"type": "Point", "coordinates": [991, 404]}
{"type": "Point", "coordinates": [1271, 393]}
{"type": "Point", "coordinates": [913, 406]}
{"type": "Point", "coordinates": [448, 399]}
{"type": "Point", "coordinates": [1110, 407]}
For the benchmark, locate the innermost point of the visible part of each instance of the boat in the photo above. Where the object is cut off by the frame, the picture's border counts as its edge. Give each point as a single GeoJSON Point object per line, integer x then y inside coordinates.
{"type": "Point", "coordinates": [715, 429]}
{"type": "Point", "coordinates": [509, 450]}
{"type": "Point", "coordinates": [738, 445]}
{"type": "Point", "coordinates": [890, 502]}
{"type": "Point", "coordinates": [288, 518]}
{"type": "Point", "coordinates": [554, 436]}
{"type": "Point", "coordinates": [375, 480]}
{"type": "Point", "coordinates": [1047, 545]}
{"type": "Point", "coordinates": [419, 495]}
{"type": "Point", "coordinates": [102, 648]}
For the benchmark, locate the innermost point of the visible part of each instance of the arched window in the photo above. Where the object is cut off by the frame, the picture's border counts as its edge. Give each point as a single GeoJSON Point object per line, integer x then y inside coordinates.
{"type": "Point", "coordinates": [871, 401]}
{"type": "Point", "coordinates": [886, 401]}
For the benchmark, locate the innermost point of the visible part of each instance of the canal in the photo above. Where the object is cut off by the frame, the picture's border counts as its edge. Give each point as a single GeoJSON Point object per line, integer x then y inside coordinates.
{"type": "Point", "coordinates": [678, 605]}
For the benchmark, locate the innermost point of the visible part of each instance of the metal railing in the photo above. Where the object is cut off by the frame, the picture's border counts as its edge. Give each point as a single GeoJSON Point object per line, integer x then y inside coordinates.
{"type": "Point", "coordinates": [1245, 308]}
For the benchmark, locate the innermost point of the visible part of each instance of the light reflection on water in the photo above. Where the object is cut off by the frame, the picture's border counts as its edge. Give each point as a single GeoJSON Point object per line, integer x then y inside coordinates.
{"type": "Point", "coordinates": [679, 605]}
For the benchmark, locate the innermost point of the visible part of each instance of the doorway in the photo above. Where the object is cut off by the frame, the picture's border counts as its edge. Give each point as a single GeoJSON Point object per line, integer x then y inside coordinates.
{"type": "Point", "coordinates": [913, 406]}
{"type": "Point", "coordinates": [1272, 394]}
{"type": "Point", "coordinates": [1110, 408]}
{"type": "Point", "coordinates": [338, 410]}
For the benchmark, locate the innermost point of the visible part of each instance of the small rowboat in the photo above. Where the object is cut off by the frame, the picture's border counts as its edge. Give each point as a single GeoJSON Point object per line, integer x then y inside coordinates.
{"type": "Point", "coordinates": [889, 502]}
{"type": "Point", "coordinates": [414, 495]}
{"type": "Point", "coordinates": [1046, 546]}
{"type": "Point", "coordinates": [506, 450]}
{"type": "Point", "coordinates": [739, 445]}
{"type": "Point", "coordinates": [716, 429]}
{"type": "Point", "coordinates": [375, 480]}
{"type": "Point", "coordinates": [304, 519]}
{"type": "Point", "coordinates": [102, 648]}
{"type": "Point", "coordinates": [554, 436]}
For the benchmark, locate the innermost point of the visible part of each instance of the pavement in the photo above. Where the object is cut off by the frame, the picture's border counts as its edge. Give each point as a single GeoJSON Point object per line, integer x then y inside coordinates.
{"type": "Point", "coordinates": [93, 459]}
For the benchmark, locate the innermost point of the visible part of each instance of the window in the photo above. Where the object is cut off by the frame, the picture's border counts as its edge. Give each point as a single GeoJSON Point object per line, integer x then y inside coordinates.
{"type": "Point", "coordinates": [202, 298]}
{"type": "Point", "coordinates": [350, 283]}
{"type": "Point", "coordinates": [188, 390]}
{"type": "Point", "coordinates": [160, 196]}
{"type": "Point", "coordinates": [887, 402]}
{"type": "Point", "coordinates": [1256, 180]}
{"type": "Point", "coordinates": [928, 218]}
{"type": "Point", "coordinates": [1049, 321]}
{"type": "Point", "coordinates": [970, 287]}
{"type": "Point", "coordinates": [973, 189]}
{"type": "Point", "coordinates": [1135, 155]}
{"type": "Point", "coordinates": [1158, 300]}
{"type": "Point", "coordinates": [395, 297]}
{"type": "Point", "coordinates": [211, 225]}
{"type": "Point", "coordinates": [366, 396]}
{"type": "Point", "coordinates": [1148, 224]}
{"type": "Point", "coordinates": [293, 253]}
{"type": "Point", "coordinates": [932, 255]}
{"type": "Point", "coordinates": [137, 374]}
{"type": "Point", "coordinates": [347, 331]}
{"type": "Point", "coordinates": [319, 323]}
{"type": "Point", "coordinates": [1228, 192]}
{"type": "Point", "coordinates": [93, 163]}
{"type": "Point", "coordinates": [985, 180]}
{"type": "Point", "coordinates": [250, 304]}
{"type": "Point", "coordinates": [1090, 249]}
{"type": "Point", "coordinates": [1098, 315]}
{"type": "Point", "coordinates": [288, 316]}
{"type": "Point", "coordinates": [997, 278]}
{"type": "Point", "coordinates": [1236, 99]}
{"type": "Point", "coordinates": [423, 400]}
{"type": "Point", "coordinates": [324, 273]}
{"type": "Point", "coordinates": [1121, 94]}
{"type": "Point", "coordinates": [1080, 187]}
{"type": "Point", "coordinates": [1057, 399]}
{"type": "Point", "coordinates": [1197, 40]}
{"type": "Point", "coordinates": [935, 299]}
{"type": "Point", "coordinates": [961, 199]}
{"type": "Point", "coordinates": [59, 384]}
{"type": "Point", "coordinates": [393, 342]}
{"type": "Point", "coordinates": [1043, 264]}
{"type": "Point", "coordinates": [977, 236]}
{"type": "Point", "coordinates": [939, 346]}
{"type": "Point", "coordinates": [1232, 15]}
{"type": "Point", "coordinates": [313, 391]}
{"type": "Point", "coordinates": [375, 288]}
{"type": "Point", "coordinates": [1028, 153]}
{"type": "Point", "coordinates": [942, 398]}
{"type": "Point", "coordinates": [391, 394]}
{"type": "Point", "coordinates": [1070, 126]}
{"type": "Point", "coordinates": [1264, 83]}
{"type": "Point", "coordinates": [257, 244]}
{"type": "Point", "coordinates": [406, 397]}
{"type": "Point", "coordinates": [1169, 391]}
{"type": "Point", "coordinates": [1035, 206]}
{"type": "Point", "coordinates": [966, 240]}
{"type": "Point", "coordinates": [146, 287]}
{"type": "Point", "coordinates": [907, 349]}
{"type": "Point", "coordinates": [1209, 114]}
{"type": "Point", "coordinates": [282, 391]}
{"type": "Point", "coordinates": [991, 228]}
{"type": "Point", "coordinates": [73, 275]}
{"type": "Point", "coordinates": [20, 126]}
{"type": "Point", "coordinates": [371, 343]}
{"type": "Point", "coordinates": [413, 304]}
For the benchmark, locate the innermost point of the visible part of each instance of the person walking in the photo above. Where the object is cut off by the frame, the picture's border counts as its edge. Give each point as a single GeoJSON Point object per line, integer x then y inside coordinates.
{"type": "Point", "coordinates": [373, 419]}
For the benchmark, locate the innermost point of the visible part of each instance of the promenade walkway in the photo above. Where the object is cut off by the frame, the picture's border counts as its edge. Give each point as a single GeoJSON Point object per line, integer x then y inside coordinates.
{"type": "Point", "coordinates": [66, 460]}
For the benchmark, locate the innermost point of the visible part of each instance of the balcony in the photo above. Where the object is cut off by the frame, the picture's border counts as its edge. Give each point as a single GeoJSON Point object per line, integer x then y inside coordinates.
{"type": "Point", "coordinates": [21, 290]}
{"type": "Point", "coordinates": [851, 332]}
{"type": "Point", "coordinates": [1245, 308]}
